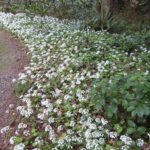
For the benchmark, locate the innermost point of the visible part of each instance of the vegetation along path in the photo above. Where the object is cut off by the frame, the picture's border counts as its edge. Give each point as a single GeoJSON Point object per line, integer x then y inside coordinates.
{"type": "Point", "coordinates": [82, 90]}
{"type": "Point", "coordinates": [12, 61]}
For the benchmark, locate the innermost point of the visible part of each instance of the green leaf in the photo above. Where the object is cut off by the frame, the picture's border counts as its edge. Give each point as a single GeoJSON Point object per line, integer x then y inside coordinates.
{"type": "Point", "coordinates": [140, 111]}
{"type": "Point", "coordinates": [131, 130]}
{"type": "Point", "coordinates": [131, 123]}
{"type": "Point", "coordinates": [133, 113]}
{"type": "Point", "coordinates": [141, 130]}
{"type": "Point", "coordinates": [109, 147]}
{"type": "Point", "coordinates": [146, 110]}
{"type": "Point", "coordinates": [130, 108]}
{"type": "Point", "coordinates": [112, 109]}
{"type": "Point", "coordinates": [18, 140]}
{"type": "Point", "coordinates": [125, 103]}
{"type": "Point", "coordinates": [118, 128]}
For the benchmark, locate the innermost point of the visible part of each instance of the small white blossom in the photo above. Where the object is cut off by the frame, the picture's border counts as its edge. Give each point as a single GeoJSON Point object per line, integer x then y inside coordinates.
{"type": "Point", "coordinates": [4, 129]}
{"type": "Point", "coordinates": [140, 142]}
{"type": "Point", "coordinates": [20, 146]}
{"type": "Point", "coordinates": [104, 122]}
{"type": "Point", "coordinates": [22, 126]}
{"type": "Point", "coordinates": [126, 140]}
{"type": "Point", "coordinates": [12, 140]}
{"type": "Point", "coordinates": [113, 135]}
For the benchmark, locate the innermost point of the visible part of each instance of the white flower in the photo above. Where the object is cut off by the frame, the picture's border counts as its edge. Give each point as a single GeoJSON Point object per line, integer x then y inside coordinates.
{"type": "Point", "coordinates": [92, 126]}
{"type": "Point", "coordinates": [110, 81]}
{"type": "Point", "coordinates": [52, 135]}
{"type": "Point", "coordinates": [67, 97]}
{"type": "Point", "coordinates": [57, 92]}
{"type": "Point", "coordinates": [41, 116]}
{"type": "Point", "coordinates": [11, 106]}
{"type": "Point", "coordinates": [140, 142]}
{"type": "Point", "coordinates": [12, 140]}
{"type": "Point", "coordinates": [125, 147]}
{"type": "Point", "coordinates": [22, 126]}
{"type": "Point", "coordinates": [148, 134]}
{"type": "Point", "coordinates": [113, 135]}
{"type": "Point", "coordinates": [13, 80]}
{"type": "Point", "coordinates": [146, 72]}
{"type": "Point", "coordinates": [38, 140]}
{"type": "Point", "coordinates": [26, 132]}
{"type": "Point", "coordinates": [7, 111]}
{"type": "Point", "coordinates": [100, 128]}
{"type": "Point", "coordinates": [70, 131]}
{"type": "Point", "coordinates": [61, 142]}
{"type": "Point", "coordinates": [23, 81]}
{"type": "Point", "coordinates": [126, 140]}
{"type": "Point", "coordinates": [101, 141]}
{"type": "Point", "coordinates": [88, 133]}
{"type": "Point", "coordinates": [48, 128]}
{"type": "Point", "coordinates": [98, 120]}
{"type": "Point", "coordinates": [104, 122]}
{"type": "Point", "coordinates": [51, 120]}
{"type": "Point", "coordinates": [20, 146]}
{"type": "Point", "coordinates": [69, 114]}
{"type": "Point", "coordinates": [60, 128]}
{"type": "Point", "coordinates": [59, 101]}
{"type": "Point", "coordinates": [16, 132]}
{"type": "Point", "coordinates": [97, 134]}
{"type": "Point", "coordinates": [4, 129]}
{"type": "Point", "coordinates": [72, 123]}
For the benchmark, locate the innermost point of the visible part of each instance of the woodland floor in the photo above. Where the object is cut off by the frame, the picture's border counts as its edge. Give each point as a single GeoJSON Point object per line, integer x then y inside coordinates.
{"type": "Point", "coordinates": [12, 61]}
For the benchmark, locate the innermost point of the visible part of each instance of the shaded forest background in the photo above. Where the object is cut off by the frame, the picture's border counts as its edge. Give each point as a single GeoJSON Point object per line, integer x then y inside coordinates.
{"type": "Point", "coordinates": [114, 15]}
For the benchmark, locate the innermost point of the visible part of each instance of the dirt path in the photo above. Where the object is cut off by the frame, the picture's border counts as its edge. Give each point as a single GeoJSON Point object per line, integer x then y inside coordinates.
{"type": "Point", "coordinates": [13, 59]}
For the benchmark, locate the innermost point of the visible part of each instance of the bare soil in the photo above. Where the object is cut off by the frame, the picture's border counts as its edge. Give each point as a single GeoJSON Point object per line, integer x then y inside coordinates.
{"type": "Point", "coordinates": [13, 59]}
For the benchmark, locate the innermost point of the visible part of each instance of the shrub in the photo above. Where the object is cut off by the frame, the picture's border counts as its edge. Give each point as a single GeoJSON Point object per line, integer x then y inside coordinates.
{"type": "Point", "coordinates": [124, 99]}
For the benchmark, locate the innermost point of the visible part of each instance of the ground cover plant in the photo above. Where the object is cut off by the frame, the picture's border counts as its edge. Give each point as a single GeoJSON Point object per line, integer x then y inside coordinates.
{"type": "Point", "coordinates": [82, 90]}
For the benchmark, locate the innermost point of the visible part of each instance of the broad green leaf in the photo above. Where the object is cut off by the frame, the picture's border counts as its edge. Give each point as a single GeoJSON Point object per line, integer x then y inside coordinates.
{"type": "Point", "coordinates": [141, 130]}
{"type": "Point", "coordinates": [131, 123]}
{"type": "Point", "coordinates": [131, 130]}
